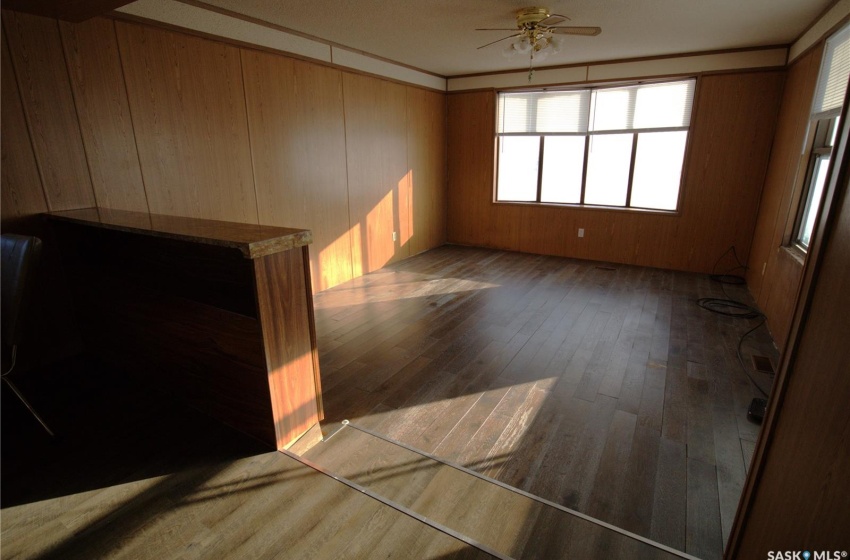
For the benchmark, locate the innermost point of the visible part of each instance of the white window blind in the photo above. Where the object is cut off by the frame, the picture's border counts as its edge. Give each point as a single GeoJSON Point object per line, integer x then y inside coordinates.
{"type": "Point", "coordinates": [546, 112]}
{"type": "Point", "coordinates": [834, 72]}
{"type": "Point", "coordinates": [643, 106]}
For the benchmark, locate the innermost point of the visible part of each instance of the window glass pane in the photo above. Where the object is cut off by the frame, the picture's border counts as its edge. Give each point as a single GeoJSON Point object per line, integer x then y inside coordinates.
{"type": "Point", "coordinates": [658, 169]}
{"type": "Point", "coordinates": [518, 160]}
{"type": "Point", "coordinates": [563, 163]}
{"type": "Point", "coordinates": [807, 224]}
{"type": "Point", "coordinates": [608, 161]}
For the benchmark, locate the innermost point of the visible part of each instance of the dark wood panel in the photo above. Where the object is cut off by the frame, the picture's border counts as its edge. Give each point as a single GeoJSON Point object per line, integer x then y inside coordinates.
{"type": "Point", "coordinates": [210, 358]}
{"type": "Point", "coordinates": [215, 276]}
{"type": "Point", "coordinates": [283, 310]}
{"type": "Point", "coordinates": [94, 65]}
{"type": "Point", "coordinates": [39, 64]}
{"type": "Point", "coordinates": [729, 143]}
{"type": "Point", "coordinates": [227, 334]}
{"type": "Point", "coordinates": [23, 196]}
{"type": "Point", "coordinates": [47, 335]}
{"type": "Point", "coordinates": [69, 10]}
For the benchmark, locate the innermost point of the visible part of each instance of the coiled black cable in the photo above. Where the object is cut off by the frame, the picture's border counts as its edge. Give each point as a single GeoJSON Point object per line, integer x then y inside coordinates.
{"type": "Point", "coordinates": [732, 308]}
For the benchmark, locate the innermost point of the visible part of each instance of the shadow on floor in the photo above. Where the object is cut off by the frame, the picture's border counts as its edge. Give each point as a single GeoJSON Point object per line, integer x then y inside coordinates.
{"type": "Point", "coordinates": [110, 430]}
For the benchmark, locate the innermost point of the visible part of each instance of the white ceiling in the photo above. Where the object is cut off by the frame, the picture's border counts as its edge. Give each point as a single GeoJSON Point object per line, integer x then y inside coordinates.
{"type": "Point", "coordinates": [439, 35]}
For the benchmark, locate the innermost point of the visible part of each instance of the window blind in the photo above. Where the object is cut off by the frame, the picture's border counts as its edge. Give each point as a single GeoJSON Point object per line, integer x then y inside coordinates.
{"type": "Point", "coordinates": [544, 112]}
{"type": "Point", "coordinates": [644, 106]}
{"type": "Point", "coordinates": [835, 69]}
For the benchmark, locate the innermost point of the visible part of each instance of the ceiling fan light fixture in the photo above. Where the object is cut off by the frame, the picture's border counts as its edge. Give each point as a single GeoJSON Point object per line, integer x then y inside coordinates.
{"type": "Point", "coordinates": [522, 45]}
{"type": "Point", "coordinates": [538, 35]}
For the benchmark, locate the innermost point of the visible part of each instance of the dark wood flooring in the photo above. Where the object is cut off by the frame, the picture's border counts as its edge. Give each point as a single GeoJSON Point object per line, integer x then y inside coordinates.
{"type": "Point", "coordinates": [600, 387]}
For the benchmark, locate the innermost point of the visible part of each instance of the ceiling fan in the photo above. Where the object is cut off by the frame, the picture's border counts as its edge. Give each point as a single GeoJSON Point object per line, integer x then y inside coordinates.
{"type": "Point", "coordinates": [535, 33]}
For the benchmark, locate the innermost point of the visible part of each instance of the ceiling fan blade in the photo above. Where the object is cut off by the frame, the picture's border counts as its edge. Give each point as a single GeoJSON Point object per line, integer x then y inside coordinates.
{"type": "Point", "coordinates": [499, 40]}
{"type": "Point", "coordinates": [496, 29]}
{"type": "Point", "coordinates": [554, 19]}
{"type": "Point", "coordinates": [588, 31]}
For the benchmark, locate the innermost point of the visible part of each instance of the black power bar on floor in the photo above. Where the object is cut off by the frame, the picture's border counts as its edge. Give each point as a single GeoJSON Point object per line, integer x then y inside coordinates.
{"type": "Point", "coordinates": [756, 411]}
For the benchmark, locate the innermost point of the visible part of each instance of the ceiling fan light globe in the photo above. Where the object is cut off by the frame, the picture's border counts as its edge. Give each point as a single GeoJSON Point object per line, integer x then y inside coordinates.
{"type": "Point", "coordinates": [522, 46]}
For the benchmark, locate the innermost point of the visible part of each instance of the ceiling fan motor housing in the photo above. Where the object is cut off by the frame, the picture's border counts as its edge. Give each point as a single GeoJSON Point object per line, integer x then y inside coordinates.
{"type": "Point", "coordinates": [530, 17]}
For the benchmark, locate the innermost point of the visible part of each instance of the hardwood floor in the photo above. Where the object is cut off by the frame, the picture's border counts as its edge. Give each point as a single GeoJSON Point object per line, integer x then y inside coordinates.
{"type": "Point", "coordinates": [136, 476]}
{"type": "Point", "coordinates": [600, 387]}
{"type": "Point", "coordinates": [510, 523]}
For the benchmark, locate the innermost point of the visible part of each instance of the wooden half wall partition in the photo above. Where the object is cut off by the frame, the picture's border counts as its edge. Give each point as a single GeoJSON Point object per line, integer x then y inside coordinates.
{"type": "Point", "coordinates": [217, 314]}
{"type": "Point", "coordinates": [730, 137]}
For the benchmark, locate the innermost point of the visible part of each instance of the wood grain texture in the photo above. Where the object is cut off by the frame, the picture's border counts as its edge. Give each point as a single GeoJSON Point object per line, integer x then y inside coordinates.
{"type": "Point", "coordinates": [94, 66]}
{"type": "Point", "coordinates": [378, 174]}
{"type": "Point", "coordinates": [46, 333]}
{"type": "Point", "coordinates": [39, 64]}
{"type": "Point", "coordinates": [773, 274]}
{"type": "Point", "coordinates": [283, 309]}
{"type": "Point", "coordinates": [729, 143]}
{"type": "Point", "coordinates": [565, 378]}
{"type": "Point", "coordinates": [226, 334]}
{"type": "Point", "coordinates": [505, 521]}
{"type": "Point", "coordinates": [426, 156]}
{"type": "Point", "coordinates": [249, 239]}
{"type": "Point", "coordinates": [801, 461]}
{"type": "Point", "coordinates": [188, 105]}
{"type": "Point", "coordinates": [163, 481]}
{"type": "Point", "coordinates": [23, 196]}
{"type": "Point", "coordinates": [297, 126]}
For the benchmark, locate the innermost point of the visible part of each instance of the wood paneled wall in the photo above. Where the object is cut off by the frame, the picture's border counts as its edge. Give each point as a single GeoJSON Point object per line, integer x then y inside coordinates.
{"type": "Point", "coordinates": [774, 273]}
{"type": "Point", "coordinates": [730, 138]}
{"type": "Point", "coordinates": [796, 492]}
{"type": "Point", "coordinates": [131, 116]}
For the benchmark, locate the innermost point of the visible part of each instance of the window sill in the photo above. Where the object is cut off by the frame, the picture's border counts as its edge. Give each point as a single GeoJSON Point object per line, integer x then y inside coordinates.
{"type": "Point", "coordinates": [795, 253]}
{"type": "Point", "coordinates": [618, 209]}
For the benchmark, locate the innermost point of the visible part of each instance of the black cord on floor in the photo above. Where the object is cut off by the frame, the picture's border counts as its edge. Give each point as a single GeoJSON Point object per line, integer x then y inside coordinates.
{"type": "Point", "coordinates": [732, 308]}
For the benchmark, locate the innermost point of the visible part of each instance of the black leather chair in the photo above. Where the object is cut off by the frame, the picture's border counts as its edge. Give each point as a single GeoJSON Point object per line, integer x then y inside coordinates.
{"type": "Point", "coordinates": [20, 257]}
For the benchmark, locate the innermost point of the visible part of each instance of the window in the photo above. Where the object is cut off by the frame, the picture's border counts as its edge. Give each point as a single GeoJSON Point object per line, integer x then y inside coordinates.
{"type": "Point", "coordinates": [619, 146]}
{"type": "Point", "coordinates": [826, 107]}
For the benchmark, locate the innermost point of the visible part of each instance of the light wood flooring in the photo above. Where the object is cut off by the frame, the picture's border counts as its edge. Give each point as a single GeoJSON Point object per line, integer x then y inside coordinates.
{"type": "Point", "coordinates": [600, 387]}
{"type": "Point", "coordinates": [135, 476]}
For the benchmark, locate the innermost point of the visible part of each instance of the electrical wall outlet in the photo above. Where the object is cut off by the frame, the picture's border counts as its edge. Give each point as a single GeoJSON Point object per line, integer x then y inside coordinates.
{"type": "Point", "coordinates": [581, 232]}
{"type": "Point", "coordinates": [395, 236]}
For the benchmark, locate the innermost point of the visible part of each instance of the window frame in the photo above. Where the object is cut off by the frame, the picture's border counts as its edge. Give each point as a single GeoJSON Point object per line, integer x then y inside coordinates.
{"type": "Point", "coordinates": [587, 135]}
{"type": "Point", "coordinates": [817, 147]}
